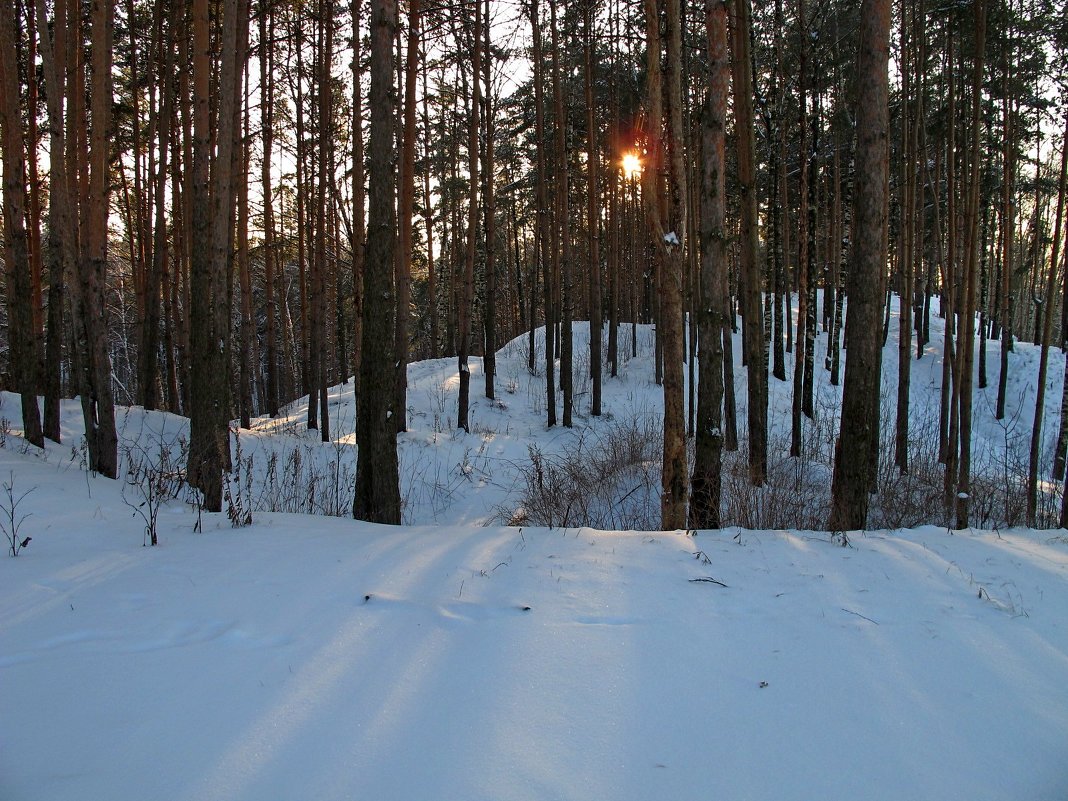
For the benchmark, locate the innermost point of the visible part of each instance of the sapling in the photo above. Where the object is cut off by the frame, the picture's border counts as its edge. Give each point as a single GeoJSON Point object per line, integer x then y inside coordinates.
{"type": "Point", "coordinates": [10, 519]}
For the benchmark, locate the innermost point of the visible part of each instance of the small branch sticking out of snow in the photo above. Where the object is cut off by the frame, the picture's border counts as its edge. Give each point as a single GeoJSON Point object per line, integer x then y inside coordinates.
{"type": "Point", "coordinates": [707, 580]}
{"type": "Point", "coordinates": [858, 614]}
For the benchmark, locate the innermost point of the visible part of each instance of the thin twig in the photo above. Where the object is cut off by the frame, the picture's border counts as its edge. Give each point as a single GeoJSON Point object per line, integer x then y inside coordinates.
{"type": "Point", "coordinates": [858, 614]}
{"type": "Point", "coordinates": [708, 580]}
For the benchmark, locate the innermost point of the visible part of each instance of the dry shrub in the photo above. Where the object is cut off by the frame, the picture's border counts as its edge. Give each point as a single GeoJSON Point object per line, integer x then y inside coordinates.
{"type": "Point", "coordinates": [608, 480]}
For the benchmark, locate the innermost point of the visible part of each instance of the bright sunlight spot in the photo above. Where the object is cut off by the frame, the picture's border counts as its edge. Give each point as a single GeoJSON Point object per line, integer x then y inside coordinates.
{"type": "Point", "coordinates": [632, 165]}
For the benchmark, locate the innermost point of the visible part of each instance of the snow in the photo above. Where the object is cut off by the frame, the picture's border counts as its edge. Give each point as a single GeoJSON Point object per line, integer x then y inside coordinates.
{"type": "Point", "coordinates": [310, 657]}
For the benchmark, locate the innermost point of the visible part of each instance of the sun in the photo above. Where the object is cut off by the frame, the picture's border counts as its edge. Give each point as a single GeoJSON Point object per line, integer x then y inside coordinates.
{"type": "Point", "coordinates": [632, 165]}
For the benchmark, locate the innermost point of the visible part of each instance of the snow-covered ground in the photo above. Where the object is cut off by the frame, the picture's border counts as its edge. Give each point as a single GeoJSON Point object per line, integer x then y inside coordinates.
{"type": "Point", "coordinates": [310, 657]}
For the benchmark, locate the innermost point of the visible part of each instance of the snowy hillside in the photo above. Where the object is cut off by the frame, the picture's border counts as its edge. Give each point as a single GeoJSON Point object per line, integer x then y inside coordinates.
{"type": "Point", "coordinates": [313, 657]}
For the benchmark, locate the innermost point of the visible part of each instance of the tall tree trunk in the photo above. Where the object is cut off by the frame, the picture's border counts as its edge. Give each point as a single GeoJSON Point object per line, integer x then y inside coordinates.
{"type": "Point", "coordinates": [428, 218]}
{"type": "Point", "coordinates": [61, 234]}
{"type": "Point", "coordinates": [148, 356]}
{"type": "Point", "coordinates": [803, 239]}
{"type": "Point", "coordinates": [593, 212]}
{"type": "Point", "coordinates": [407, 205]}
{"type": "Point", "coordinates": [270, 260]}
{"type": "Point", "coordinates": [1047, 330]}
{"type": "Point", "coordinates": [489, 311]}
{"type": "Point", "coordinates": [359, 233]}
{"type": "Point", "coordinates": [466, 309]}
{"type": "Point", "coordinates": [320, 343]}
{"type": "Point", "coordinates": [668, 219]}
{"type": "Point", "coordinates": [563, 270]}
{"type": "Point", "coordinates": [967, 316]}
{"type": "Point", "coordinates": [377, 495]}
{"type": "Point", "coordinates": [23, 358]}
{"type": "Point", "coordinates": [541, 217]}
{"type": "Point", "coordinates": [247, 356]}
{"type": "Point", "coordinates": [209, 432]}
{"type": "Point", "coordinates": [741, 70]}
{"type": "Point", "coordinates": [34, 218]}
{"type": "Point", "coordinates": [98, 406]}
{"type": "Point", "coordinates": [705, 482]}
{"type": "Point", "coordinates": [852, 464]}
{"type": "Point", "coordinates": [907, 190]}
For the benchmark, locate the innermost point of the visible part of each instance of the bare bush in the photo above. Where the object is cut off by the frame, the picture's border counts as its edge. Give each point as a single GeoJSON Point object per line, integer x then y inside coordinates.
{"type": "Point", "coordinates": [297, 481]}
{"type": "Point", "coordinates": [152, 478]}
{"type": "Point", "coordinates": [608, 480]}
{"type": "Point", "coordinates": [11, 519]}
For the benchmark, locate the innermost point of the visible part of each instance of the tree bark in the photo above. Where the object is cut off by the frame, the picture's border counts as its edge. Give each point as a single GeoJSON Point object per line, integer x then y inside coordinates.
{"type": "Point", "coordinates": [466, 306]}
{"type": "Point", "coordinates": [741, 71]}
{"type": "Point", "coordinates": [966, 350]}
{"type": "Point", "coordinates": [593, 213]}
{"type": "Point", "coordinates": [705, 482]}
{"type": "Point", "coordinates": [98, 406]}
{"type": "Point", "coordinates": [1047, 330]}
{"type": "Point", "coordinates": [852, 466]}
{"type": "Point", "coordinates": [407, 205]}
{"type": "Point", "coordinates": [61, 235]}
{"type": "Point", "coordinates": [377, 495]}
{"type": "Point", "coordinates": [563, 269]}
{"type": "Point", "coordinates": [23, 357]}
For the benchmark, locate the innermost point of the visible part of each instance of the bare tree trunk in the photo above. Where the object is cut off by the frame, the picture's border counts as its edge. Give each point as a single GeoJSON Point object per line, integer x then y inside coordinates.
{"type": "Point", "coordinates": [668, 221]}
{"type": "Point", "coordinates": [407, 205]}
{"type": "Point", "coordinates": [34, 218]}
{"type": "Point", "coordinates": [489, 312]}
{"type": "Point", "coordinates": [967, 317]}
{"type": "Point", "coordinates": [270, 292]}
{"type": "Point", "coordinates": [741, 69]}
{"type": "Point", "coordinates": [23, 357]}
{"type": "Point", "coordinates": [541, 216]}
{"type": "Point", "coordinates": [906, 246]}
{"type": "Point", "coordinates": [209, 433]}
{"type": "Point", "coordinates": [98, 407]}
{"type": "Point", "coordinates": [359, 233]}
{"type": "Point", "coordinates": [593, 213]}
{"type": "Point", "coordinates": [803, 277]}
{"type": "Point", "coordinates": [563, 269]}
{"type": "Point", "coordinates": [148, 363]}
{"type": "Point", "coordinates": [1047, 330]}
{"type": "Point", "coordinates": [247, 355]}
{"type": "Point", "coordinates": [61, 235]}
{"type": "Point", "coordinates": [377, 496]}
{"type": "Point", "coordinates": [705, 482]}
{"type": "Point", "coordinates": [466, 309]}
{"type": "Point", "coordinates": [320, 279]}
{"type": "Point", "coordinates": [853, 452]}
{"type": "Point", "coordinates": [428, 217]}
